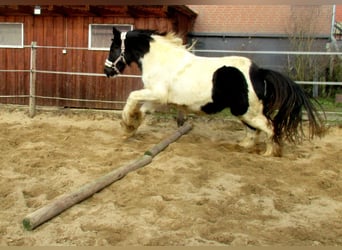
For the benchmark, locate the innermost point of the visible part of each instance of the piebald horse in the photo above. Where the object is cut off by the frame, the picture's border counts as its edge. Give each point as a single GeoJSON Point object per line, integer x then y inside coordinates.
{"type": "Point", "coordinates": [263, 99]}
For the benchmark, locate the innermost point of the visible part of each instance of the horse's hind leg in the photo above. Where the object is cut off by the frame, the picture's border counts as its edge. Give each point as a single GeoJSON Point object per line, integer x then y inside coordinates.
{"type": "Point", "coordinates": [250, 137]}
{"type": "Point", "coordinates": [260, 122]}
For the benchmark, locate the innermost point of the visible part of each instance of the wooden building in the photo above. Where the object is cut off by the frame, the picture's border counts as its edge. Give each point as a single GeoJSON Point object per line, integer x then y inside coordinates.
{"type": "Point", "coordinates": [74, 39]}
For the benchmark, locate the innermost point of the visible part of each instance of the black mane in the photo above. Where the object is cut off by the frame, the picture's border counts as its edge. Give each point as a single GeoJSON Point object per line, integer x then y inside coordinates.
{"type": "Point", "coordinates": [137, 44]}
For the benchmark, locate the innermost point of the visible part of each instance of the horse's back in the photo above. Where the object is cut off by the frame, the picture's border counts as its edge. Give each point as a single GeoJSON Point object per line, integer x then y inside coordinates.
{"type": "Point", "coordinates": [185, 79]}
{"type": "Point", "coordinates": [195, 84]}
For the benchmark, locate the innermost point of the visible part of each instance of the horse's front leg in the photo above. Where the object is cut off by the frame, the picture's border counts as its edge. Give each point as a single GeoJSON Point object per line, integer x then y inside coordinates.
{"type": "Point", "coordinates": [132, 114]}
{"type": "Point", "coordinates": [131, 118]}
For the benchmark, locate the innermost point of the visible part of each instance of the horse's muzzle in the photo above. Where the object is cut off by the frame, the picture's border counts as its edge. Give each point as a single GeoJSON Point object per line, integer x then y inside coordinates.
{"type": "Point", "coordinates": [109, 72]}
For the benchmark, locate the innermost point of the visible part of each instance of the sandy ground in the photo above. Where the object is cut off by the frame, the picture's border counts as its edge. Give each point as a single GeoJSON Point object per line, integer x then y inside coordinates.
{"type": "Point", "coordinates": [202, 190]}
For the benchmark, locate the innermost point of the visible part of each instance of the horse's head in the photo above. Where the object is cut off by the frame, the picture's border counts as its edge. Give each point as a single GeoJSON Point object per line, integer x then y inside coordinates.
{"type": "Point", "coordinates": [127, 47]}
{"type": "Point", "coordinates": [116, 61]}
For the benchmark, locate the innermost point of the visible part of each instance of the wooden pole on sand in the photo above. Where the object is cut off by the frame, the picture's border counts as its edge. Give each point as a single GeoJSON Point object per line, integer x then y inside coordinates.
{"type": "Point", "coordinates": [66, 201]}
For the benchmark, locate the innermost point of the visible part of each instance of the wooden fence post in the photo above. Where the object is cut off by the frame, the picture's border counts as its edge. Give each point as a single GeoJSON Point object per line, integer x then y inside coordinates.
{"type": "Point", "coordinates": [32, 102]}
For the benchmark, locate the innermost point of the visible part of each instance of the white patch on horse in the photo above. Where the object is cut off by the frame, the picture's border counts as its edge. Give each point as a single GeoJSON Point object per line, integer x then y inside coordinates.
{"type": "Point", "coordinates": [181, 78]}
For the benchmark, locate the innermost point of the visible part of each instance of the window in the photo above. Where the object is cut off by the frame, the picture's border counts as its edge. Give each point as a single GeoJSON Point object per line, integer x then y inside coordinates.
{"type": "Point", "coordinates": [100, 35]}
{"type": "Point", "coordinates": [11, 35]}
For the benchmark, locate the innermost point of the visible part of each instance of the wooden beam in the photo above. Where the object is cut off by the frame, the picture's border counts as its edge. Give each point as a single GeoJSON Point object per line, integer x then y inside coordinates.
{"type": "Point", "coordinates": [146, 11]}
{"type": "Point", "coordinates": [97, 10]}
{"type": "Point", "coordinates": [66, 201]}
{"type": "Point", "coordinates": [165, 2]}
{"type": "Point", "coordinates": [16, 10]}
{"type": "Point", "coordinates": [119, 11]}
{"type": "Point", "coordinates": [72, 10]}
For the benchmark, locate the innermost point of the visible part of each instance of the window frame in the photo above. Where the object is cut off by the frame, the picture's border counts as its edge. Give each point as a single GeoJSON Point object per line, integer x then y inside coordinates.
{"type": "Point", "coordinates": [10, 46]}
{"type": "Point", "coordinates": [121, 27]}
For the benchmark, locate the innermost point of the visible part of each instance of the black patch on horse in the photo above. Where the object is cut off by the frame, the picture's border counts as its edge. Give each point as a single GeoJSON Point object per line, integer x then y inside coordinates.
{"type": "Point", "coordinates": [258, 82]}
{"type": "Point", "coordinates": [229, 90]}
{"type": "Point", "coordinates": [262, 88]}
{"type": "Point", "coordinates": [137, 45]}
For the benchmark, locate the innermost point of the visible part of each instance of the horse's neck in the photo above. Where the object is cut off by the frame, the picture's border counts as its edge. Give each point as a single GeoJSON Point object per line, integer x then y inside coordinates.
{"type": "Point", "coordinates": [165, 53]}
{"type": "Point", "coordinates": [164, 62]}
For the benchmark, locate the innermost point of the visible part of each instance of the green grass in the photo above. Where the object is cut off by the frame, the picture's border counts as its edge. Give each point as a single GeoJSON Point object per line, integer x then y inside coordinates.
{"type": "Point", "coordinates": [329, 104]}
{"type": "Point", "coordinates": [333, 112]}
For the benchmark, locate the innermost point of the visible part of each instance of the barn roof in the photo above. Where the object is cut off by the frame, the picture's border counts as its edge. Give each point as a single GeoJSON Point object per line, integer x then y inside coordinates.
{"type": "Point", "coordinates": [99, 10]}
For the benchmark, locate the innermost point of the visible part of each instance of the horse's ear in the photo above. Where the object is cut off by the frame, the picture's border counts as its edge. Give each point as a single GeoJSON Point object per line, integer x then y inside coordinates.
{"type": "Point", "coordinates": [116, 34]}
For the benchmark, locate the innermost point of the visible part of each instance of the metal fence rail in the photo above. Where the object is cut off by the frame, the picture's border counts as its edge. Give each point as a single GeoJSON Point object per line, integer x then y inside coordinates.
{"type": "Point", "coordinates": [264, 52]}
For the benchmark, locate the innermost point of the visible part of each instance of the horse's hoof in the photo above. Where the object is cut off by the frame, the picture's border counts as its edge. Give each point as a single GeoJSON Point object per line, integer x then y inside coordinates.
{"type": "Point", "coordinates": [246, 143]}
{"type": "Point", "coordinates": [129, 130]}
{"type": "Point", "coordinates": [275, 150]}
{"type": "Point", "coordinates": [181, 119]}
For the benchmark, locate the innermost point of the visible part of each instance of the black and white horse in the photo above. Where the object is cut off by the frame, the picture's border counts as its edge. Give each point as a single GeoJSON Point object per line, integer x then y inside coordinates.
{"type": "Point", "coordinates": [264, 100]}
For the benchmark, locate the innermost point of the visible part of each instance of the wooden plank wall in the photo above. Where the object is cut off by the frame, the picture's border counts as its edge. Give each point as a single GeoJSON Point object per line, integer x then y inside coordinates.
{"type": "Point", "coordinates": [70, 32]}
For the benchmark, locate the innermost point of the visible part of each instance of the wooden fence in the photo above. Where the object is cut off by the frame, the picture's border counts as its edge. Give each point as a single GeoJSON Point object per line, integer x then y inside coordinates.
{"type": "Point", "coordinates": [37, 78]}
{"type": "Point", "coordinates": [42, 86]}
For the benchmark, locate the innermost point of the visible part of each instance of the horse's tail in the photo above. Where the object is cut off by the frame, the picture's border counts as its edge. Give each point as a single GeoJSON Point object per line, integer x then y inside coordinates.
{"type": "Point", "coordinates": [283, 104]}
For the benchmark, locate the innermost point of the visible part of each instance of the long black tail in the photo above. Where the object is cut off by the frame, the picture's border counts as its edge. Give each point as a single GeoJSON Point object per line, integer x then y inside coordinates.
{"type": "Point", "coordinates": [283, 104]}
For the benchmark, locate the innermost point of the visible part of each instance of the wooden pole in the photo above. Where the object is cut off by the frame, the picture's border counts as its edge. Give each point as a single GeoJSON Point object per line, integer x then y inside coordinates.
{"type": "Point", "coordinates": [32, 102]}
{"type": "Point", "coordinates": [66, 201]}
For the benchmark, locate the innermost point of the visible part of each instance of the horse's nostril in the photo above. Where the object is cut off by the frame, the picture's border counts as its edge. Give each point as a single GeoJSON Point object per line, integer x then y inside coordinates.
{"type": "Point", "coordinates": [108, 71]}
